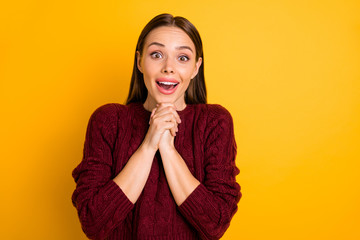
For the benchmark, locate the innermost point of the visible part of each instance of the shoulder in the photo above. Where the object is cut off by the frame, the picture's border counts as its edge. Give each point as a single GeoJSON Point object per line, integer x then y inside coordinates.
{"type": "Point", "coordinates": [214, 124]}
{"type": "Point", "coordinates": [218, 111]}
{"type": "Point", "coordinates": [116, 111]}
{"type": "Point", "coordinates": [107, 110]}
{"type": "Point", "coordinates": [214, 112]}
{"type": "Point", "coordinates": [215, 119]}
{"type": "Point", "coordinates": [110, 113]}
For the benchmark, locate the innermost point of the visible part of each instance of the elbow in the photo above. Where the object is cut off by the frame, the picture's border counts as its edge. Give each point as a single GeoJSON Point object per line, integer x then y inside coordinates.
{"type": "Point", "coordinates": [100, 212]}
{"type": "Point", "coordinates": [92, 229]}
{"type": "Point", "coordinates": [91, 224]}
{"type": "Point", "coordinates": [216, 232]}
{"type": "Point", "coordinates": [218, 228]}
{"type": "Point", "coordinates": [93, 234]}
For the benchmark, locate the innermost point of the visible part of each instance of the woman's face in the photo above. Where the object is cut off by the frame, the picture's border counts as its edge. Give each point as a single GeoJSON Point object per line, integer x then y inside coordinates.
{"type": "Point", "coordinates": [168, 63]}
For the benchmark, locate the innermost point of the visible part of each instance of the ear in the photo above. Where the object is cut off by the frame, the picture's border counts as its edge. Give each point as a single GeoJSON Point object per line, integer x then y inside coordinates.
{"type": "Point", "coordinates": [138, 59]}
{"type": "Point", "coordinates": [197, 67]}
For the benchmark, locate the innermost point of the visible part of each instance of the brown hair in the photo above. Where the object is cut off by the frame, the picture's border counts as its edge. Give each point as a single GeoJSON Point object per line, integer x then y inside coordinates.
{"type": "Point", "coordinates": [196, 92]}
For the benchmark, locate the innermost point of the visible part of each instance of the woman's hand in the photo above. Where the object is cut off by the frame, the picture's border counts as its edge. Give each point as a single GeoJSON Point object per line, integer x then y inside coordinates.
{"type": "Point", "coordinates": [163, 122]}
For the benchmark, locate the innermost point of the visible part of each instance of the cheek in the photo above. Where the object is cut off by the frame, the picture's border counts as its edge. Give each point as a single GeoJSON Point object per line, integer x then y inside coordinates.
{"type": "Point", "coordinates": [150, 68]}
{"type": "Point", "coordinates": [146, 70]}
{"type": "Point", "coordinates": [186, 73]}
{"type": "Point", "coordinates": [147, 73]}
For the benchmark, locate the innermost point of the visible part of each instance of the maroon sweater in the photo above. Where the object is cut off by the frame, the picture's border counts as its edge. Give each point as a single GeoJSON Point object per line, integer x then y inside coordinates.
{"type": "Point", "coordinates": [206, 143]}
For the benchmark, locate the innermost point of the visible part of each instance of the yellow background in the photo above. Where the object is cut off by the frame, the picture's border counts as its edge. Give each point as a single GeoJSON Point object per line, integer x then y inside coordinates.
{"type": "Point", "coordinates": [288, 71]}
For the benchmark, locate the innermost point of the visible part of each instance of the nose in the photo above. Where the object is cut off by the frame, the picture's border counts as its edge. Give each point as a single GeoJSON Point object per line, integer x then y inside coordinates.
{"type": "Point", "coordinates": [168, 66]}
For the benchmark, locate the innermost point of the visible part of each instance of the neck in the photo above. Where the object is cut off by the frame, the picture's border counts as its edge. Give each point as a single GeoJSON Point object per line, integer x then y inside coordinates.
{"type": "Point", "coordinates": [150, 104]}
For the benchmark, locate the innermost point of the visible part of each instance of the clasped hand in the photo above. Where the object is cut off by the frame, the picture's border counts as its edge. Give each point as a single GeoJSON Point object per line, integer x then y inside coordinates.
{"type": "Point", "coordinates": [163, 122]}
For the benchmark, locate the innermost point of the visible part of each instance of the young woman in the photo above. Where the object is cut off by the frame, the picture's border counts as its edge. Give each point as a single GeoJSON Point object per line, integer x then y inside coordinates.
{"type": "Point", "coordinates": [163, 165]}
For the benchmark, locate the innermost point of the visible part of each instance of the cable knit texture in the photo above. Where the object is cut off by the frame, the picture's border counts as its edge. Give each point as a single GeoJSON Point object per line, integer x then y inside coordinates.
{"type": "Point", "coordinates": [206, 143]}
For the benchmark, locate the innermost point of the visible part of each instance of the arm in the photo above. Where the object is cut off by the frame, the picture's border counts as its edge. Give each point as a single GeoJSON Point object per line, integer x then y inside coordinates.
{"type": "Point", "coordinates": [100, 203]}
{"type": "Point", "coordinates": [103, 203]}
{"type": "Point", "coordinates": [212, 204]}
{"type": "Point", "coordinates": [181, 182]}
{"type": "Point", "coordinates": [134, 175]}
{"type": "Point", "coordinates": [179, 178]}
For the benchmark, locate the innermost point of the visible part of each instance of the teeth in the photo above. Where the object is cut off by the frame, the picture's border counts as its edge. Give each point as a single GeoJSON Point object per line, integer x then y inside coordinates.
{"type": "Point", "coordinates": [168, 83]}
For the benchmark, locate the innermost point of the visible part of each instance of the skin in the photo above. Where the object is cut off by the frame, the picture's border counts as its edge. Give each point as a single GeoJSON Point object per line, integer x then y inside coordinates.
{"type": "Point", "coordinates": [168, 53]}
{"type": "Point", "coordinates": [176, 59]}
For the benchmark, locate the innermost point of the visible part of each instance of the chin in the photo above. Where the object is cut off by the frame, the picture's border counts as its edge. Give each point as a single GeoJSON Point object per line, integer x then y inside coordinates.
{"type": "Point", "coordinates": [166, 99]}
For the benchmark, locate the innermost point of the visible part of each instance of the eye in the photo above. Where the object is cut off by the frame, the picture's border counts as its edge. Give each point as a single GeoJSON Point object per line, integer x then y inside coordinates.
{"type": "Point", "coordinates": [156, 55]}
{"type": "Point", "coordinates": [184, 58]}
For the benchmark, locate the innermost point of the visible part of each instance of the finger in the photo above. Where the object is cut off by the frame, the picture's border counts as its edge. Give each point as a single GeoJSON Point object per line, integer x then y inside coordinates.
{"type": "Point", "coordinates": [165, 109]}
{"type": "Point", "coordinates": [165, 122]}
{"type": "Point", "coordinates": [160, 119]}
{"type": "Point", "coordinates": [175, 128]}
{"type": "Point", "coordinates": [152, 114]}
{"type": "Point", "coordinates": [164, 105]}
{"type": "Point", "coordinates": [173, 132]}
{"type": "Point", "coordinates": [169, 126]}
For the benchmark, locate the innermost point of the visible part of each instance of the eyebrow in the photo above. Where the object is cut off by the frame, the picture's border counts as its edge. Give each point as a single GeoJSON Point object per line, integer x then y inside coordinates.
{"type": "Point", "coordinates": [162, 45]}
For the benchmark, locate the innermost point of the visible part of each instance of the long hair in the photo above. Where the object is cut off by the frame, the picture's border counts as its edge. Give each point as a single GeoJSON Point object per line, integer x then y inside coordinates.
{"type": "Point", "coordinates": [196, 92]}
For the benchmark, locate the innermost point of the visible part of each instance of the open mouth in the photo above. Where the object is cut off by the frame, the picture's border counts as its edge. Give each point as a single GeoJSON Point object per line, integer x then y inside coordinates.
{"type": "Point", "coordinates": [167, 85]}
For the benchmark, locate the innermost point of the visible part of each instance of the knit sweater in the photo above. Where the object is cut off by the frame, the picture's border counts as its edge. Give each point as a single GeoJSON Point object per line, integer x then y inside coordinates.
{"type": "Point", "coordinates": [205, 140]}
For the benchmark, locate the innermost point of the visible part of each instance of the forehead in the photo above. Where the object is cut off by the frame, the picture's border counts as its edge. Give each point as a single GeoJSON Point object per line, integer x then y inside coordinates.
{"type": "Point", "coordinates": [169, 36]}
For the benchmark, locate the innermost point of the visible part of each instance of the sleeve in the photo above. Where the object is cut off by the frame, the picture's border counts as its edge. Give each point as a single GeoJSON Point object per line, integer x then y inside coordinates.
{"type": "Point", "coordinates": [101, 204]}
{"type": "Point", "coordinates": [211, 206]}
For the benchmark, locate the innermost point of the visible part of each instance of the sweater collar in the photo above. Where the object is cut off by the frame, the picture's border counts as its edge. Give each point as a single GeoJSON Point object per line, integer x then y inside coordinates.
{"type": "Point", "coordinates": [140, 107]}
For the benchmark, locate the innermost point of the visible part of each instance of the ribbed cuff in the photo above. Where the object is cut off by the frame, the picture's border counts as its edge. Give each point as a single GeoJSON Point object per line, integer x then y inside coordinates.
{"type": "Point", "coordinates": [197, 202]}
{"type": "Point", "coordinates": [119, 203]}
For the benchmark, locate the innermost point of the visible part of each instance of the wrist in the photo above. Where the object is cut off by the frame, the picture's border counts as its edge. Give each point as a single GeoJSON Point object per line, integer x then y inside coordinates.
{"type": "Point", "coordinates": [146, 148]}
{"type": "Point", "coordinates": [167, 147]}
